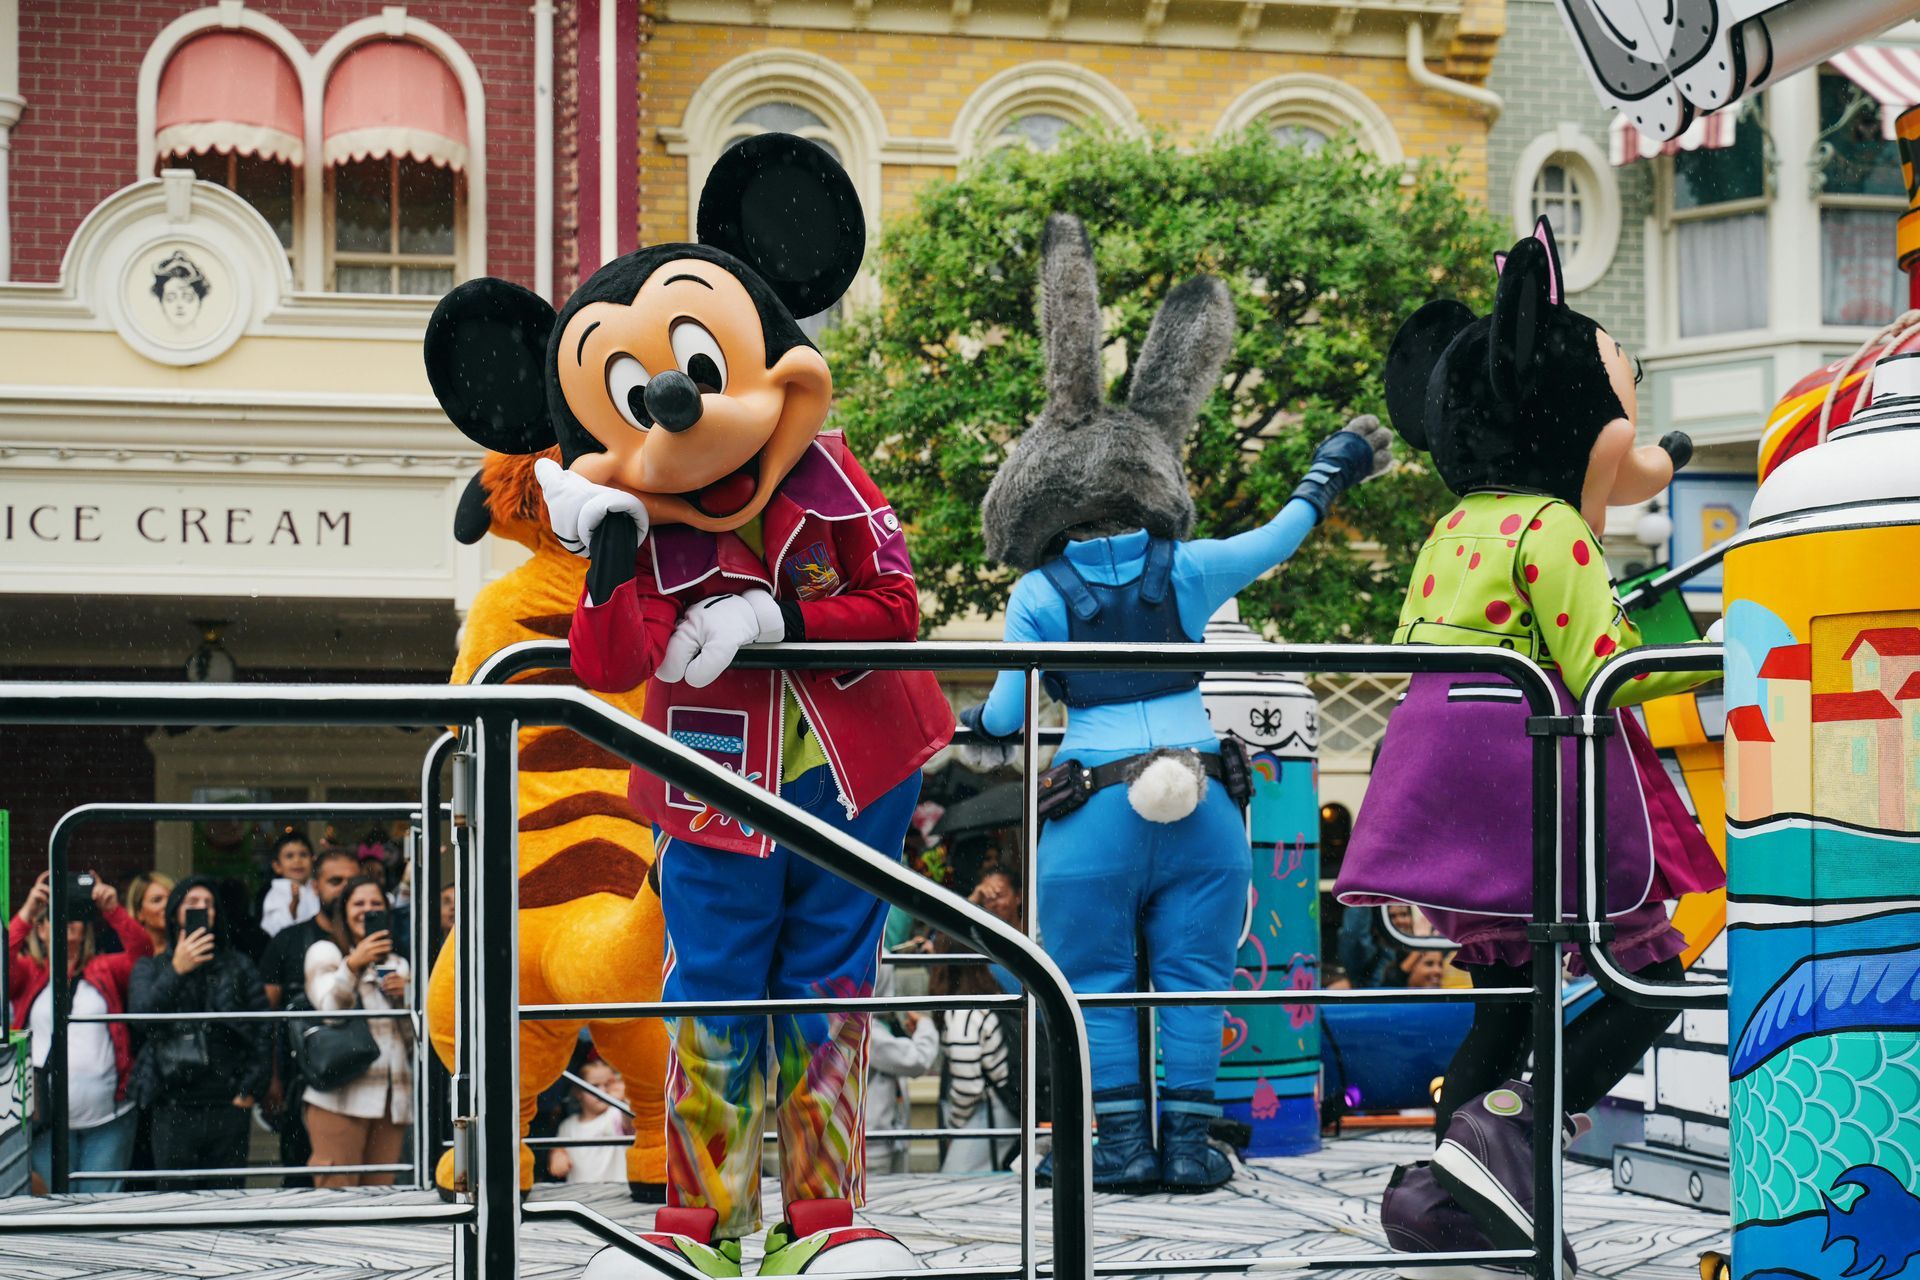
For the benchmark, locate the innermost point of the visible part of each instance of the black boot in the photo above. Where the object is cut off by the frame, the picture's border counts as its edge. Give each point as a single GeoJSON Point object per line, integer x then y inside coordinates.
{"type": "Point", "coordinates": [1123, 1156]}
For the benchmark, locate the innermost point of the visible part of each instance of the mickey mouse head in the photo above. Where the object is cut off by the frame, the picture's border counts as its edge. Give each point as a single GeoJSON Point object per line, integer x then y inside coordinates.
{"type": "Point", "coordinates": [1532, 397]}
{"type": "Point", "coordinates": [678, 371]}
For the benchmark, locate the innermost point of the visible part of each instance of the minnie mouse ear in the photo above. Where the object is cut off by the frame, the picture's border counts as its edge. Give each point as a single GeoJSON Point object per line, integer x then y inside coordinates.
{"type": "Point", "coordinates": [1522, 307]}
{"type": "Point", "coordinates": [1416, 350]}
{"type": "Point", "coordinates": [786, 208]}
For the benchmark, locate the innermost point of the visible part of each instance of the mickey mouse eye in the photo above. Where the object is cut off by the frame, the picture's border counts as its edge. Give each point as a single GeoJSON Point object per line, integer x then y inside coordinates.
{"type": "Point", "coordinates": [699, 354]}
{"type": "Point", "coordinates": [627, 382]}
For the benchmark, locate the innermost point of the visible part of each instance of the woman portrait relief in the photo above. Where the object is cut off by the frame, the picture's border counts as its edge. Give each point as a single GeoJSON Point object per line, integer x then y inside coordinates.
{"type": "Point", "coordinates": [180, 286]}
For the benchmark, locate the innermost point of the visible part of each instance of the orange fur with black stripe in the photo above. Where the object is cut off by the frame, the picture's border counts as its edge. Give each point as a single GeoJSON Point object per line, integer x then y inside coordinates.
{"type": "Point", "coordinates": [590, 926]}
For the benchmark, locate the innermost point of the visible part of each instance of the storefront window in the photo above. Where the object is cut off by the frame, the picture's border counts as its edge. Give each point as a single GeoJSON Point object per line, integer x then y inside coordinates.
{"type": "Point", "coordinates": [1719, 209]}
{"type": "Point", "coordinates": [267, 185]}
{"type": "Point", "coordinates": [393, 226]}
{"type": "Point", "coordinates": [1861, 197]}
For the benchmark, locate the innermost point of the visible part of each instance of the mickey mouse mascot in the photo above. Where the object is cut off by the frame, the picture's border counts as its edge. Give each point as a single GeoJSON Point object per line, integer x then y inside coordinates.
{"type": "Point", "coordinates": [1530, 416]}
{"type": "Point", "coordinates": [715, 513]}
{"type": "Point", "coordinates": [1143, 834]}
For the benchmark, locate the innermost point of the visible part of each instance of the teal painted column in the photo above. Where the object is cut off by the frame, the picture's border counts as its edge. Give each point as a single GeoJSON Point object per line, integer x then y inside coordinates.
{"type": "Point", "coordinates": [1270, 1061]}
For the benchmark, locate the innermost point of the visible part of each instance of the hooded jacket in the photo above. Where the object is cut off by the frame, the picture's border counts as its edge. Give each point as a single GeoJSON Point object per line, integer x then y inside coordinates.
{"type": "Point", "coordinates": [108, 974]}
{"type": "Point", "coordinates": [239, 1052]}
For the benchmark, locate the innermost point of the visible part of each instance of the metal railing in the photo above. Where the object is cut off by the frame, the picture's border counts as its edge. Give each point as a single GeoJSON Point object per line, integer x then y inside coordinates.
{"type": "Point", "coordinates": [485, 1079]}
{"type": "Point", "coordinates": [1591, 824]}
{"type": "Point", "coordinates": [59, 843]}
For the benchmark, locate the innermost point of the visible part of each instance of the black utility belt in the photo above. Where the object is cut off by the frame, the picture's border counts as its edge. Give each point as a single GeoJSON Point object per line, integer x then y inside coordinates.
{"type": "Point", "coordinates": [1067, 786]}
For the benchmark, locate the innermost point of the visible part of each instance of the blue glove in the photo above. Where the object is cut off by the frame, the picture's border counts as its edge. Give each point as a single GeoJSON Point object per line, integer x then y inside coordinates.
{"type": "Point", "coordinates": [972, 719]}
{"type": "Point", "coordinates": [1345, 458]}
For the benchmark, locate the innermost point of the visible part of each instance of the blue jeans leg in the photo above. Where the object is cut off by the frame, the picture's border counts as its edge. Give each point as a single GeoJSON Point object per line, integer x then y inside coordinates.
{"type": "Point", "coordinates": [102, 1147]}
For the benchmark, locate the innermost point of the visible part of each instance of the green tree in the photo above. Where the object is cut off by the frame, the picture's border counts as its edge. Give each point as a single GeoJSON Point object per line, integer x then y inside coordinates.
{"type": "Point", "coordinates": [1325, 254]}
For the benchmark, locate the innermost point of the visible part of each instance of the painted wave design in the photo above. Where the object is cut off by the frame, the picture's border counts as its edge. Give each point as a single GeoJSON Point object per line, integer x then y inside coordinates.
{"type": "Point", "coordinates": [1796, 858]}
{"type": "Point", "coordinates": [1826, 995]}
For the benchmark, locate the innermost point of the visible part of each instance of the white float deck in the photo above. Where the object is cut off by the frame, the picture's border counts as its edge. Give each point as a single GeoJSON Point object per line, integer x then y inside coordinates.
{"type": "Point", "coordinates": [1325, 1203]}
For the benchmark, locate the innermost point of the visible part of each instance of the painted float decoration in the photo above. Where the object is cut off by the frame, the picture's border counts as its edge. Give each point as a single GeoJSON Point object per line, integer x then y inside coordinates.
{"type": "Point", "coordinates": [1270, 1059]}
{"type": "Point", "coordinates": [1664, 65]}
{"type": "Point", "coordinates": [1823, 850]}
{"type": "Point", "coordinates": [1681, 1155]}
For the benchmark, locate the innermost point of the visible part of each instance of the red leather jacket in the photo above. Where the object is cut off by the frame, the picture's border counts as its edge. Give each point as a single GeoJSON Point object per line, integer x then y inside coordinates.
{"type": "Point", "coordinates": [836, 550]}
{"type": "Point", "coordinates": [109, 974]}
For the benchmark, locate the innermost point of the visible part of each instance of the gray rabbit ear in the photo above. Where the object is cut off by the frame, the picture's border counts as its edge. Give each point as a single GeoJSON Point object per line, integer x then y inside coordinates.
{"type": "Point", "coordinates": [1070, 319]}
{"type": "Point", "coordinates": [1179, 365]}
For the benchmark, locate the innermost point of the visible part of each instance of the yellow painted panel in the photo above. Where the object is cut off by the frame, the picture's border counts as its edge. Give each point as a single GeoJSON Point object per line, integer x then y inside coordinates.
{"type": "Point", "coordinates": [330, 366]}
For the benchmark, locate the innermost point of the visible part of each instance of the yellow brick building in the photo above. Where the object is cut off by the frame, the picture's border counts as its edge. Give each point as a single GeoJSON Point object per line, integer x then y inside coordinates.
{"type": "Point", "coordinates": [905, 90]}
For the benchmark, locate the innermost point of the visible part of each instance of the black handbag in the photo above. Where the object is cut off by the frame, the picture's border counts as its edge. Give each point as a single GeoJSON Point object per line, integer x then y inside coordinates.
{"type": "Point", "coordinates": [181, 1055]}
{"type": "Point", "coordinates": [332, 1051]}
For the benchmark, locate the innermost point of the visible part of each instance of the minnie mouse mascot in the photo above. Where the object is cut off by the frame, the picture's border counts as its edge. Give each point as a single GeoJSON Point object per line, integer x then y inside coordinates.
{"type": "Point", "coordinates": [715, 513]}
{"type": "Point", "coordinates": [1529, 414]}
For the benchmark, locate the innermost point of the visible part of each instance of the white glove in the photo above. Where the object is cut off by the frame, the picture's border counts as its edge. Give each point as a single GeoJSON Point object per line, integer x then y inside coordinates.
{"type": "Point", "coordinates": [576, 505]}
{"type": "Point", "coordinates": [712, 631]}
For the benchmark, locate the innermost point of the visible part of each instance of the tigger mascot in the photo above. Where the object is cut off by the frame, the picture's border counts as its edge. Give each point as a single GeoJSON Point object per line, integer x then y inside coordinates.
{"type": "Point", "coordinates": [590, 928]}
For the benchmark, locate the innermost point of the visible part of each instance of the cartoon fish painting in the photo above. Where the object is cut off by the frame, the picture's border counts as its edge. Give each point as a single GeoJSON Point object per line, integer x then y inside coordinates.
{"type": "Point", "coordinates": [1882, 1224]}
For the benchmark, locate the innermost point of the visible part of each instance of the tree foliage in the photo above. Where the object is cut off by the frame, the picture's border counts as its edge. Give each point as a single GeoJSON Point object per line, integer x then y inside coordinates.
{"type": "Point", "coordinates": [1325, 254]}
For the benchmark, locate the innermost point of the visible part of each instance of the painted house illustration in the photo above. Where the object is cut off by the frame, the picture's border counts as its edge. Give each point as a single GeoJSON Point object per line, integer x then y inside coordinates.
{"type": "Point", "coordinates": [1884, 658]}
{"type": "Point", "coordinates": [1788, 673]}
{"type": "Point", "coordinates": [1859, 759]}
{"type": "Point", "coordinates": [1751, 763]}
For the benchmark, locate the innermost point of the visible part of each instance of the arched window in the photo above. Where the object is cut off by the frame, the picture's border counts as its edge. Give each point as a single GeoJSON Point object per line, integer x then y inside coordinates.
{"type": "Point", "coordinates": [1308, 111]}
{"type": "Point", "coordinates": [1564, 176]}
{"type": "Point", "coordinates": [395, 123]}
{"type": "Point", "coordinates": [1307, 137]}
{"type": "Point", "coordinates": [1036, 104]}
{"type": "Point", "coordinates": [782, 117]}
{"type": "Point", "coordinates": [228, 106]}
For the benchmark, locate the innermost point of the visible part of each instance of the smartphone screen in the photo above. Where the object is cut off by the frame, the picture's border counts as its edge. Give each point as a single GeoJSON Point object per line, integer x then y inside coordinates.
{"type": "Point", "coordinates": [376, 922]}
{"type": "Point", "coordinates": [196, 919]}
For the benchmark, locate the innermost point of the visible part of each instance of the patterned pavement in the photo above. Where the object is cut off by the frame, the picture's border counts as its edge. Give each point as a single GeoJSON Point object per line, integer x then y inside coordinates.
{"type": "Point", "coordinates": [1319, 1204]}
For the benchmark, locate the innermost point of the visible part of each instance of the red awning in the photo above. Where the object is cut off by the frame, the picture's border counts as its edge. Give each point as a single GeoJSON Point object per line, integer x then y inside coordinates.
{"type": "Point", "coordinates": [1709, 133]}
{"type": "Point", "coordinates": [227, 91]}
{"type": "Point", "coordinates": [395, 98]}
{"type": "Point", "coordinates": [1891, 77]}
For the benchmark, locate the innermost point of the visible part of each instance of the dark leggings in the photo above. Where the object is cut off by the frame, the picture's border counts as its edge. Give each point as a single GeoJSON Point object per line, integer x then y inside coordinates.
{"type": "Point", "coordinates": [1599, 1048]}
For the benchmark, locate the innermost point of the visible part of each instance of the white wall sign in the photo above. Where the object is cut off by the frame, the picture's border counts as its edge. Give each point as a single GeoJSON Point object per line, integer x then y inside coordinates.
{"type": "Point", "coordinates": [277, 534]}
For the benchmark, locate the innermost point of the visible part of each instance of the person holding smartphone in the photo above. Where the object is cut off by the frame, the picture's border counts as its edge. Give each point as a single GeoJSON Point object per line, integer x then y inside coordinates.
{"type": "Point", "coordinates": [363, 1121]}
{"type": "Point", "coordinates": [199, 1077]}
{"type": "Point", "coordinates": [101, 1118]}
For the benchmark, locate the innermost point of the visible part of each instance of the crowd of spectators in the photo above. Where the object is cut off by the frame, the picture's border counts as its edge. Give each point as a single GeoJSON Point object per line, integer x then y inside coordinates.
{"type": "Point", "coordinates": [175, 1104]}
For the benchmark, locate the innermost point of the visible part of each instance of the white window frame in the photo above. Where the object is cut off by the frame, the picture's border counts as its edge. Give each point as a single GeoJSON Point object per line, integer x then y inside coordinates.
{"type": "Point", "coordinates": [395, 261]}
{"type": "Point", "coordinates": [1318, 102]}
{"type": "Point", "coordinates": [1669, 219]}
{"type": "Point", "coordinates": [313, 228]}
{"type": "Point", "coordinates": [1567, 146]}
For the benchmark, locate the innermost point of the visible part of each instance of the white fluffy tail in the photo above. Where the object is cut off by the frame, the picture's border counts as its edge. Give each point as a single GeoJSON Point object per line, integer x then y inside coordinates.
{"type": "Point", "coordinates": [1168, 788]}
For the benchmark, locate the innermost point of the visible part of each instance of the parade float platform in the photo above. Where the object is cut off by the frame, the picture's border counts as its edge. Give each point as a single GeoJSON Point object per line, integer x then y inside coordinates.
{"type": "Point", "coordinates": [1322, 1203]}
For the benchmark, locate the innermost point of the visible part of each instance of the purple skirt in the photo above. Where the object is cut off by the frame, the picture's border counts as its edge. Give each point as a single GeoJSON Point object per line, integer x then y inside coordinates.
{"type": "Point", "coordinates": [1448, 824]}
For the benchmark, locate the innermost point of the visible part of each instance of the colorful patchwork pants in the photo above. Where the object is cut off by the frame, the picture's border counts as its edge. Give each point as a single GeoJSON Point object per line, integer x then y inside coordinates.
{"type": "Point", "coordinates": [747, 928]}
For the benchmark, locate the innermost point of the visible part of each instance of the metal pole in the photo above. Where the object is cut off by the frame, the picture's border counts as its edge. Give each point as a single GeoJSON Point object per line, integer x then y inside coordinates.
{"type": "Point", "coordinates": [1029, 1039]}
{"type": "Point", "coordinates": [58, 909]}
{"type": "Point", "coordinates": [495, 1029]}
{"type": "Point", "coordinates": [429, 1081]}
{"type": "Point", "coordinates": [1548, 1021]}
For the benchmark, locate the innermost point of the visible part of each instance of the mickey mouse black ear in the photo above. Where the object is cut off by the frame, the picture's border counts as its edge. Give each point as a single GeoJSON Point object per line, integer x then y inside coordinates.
{"type": "Point", "coordinates": [486, 354]}
{"type": "Point", "coordinates": [786, 208]}
{"type": "Point", "coordinates": [1416, 350]}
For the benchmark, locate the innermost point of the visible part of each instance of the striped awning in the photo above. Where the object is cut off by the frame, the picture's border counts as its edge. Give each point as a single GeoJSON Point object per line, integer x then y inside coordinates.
{"type": "Point", "coordinates": [1627, 144]}
{"type": "Point", "coordinates": [1890, 76]}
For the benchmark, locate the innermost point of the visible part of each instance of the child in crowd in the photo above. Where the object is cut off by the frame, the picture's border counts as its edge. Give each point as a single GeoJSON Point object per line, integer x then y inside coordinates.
{"type": "Point", "coordinates": [290, 898]}
{"type": "Point", "coordinates": [596, 1118]}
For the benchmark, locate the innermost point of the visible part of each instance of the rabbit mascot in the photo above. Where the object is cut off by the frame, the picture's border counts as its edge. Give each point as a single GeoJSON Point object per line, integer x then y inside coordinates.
{"type": "Point", "coordinates": [715, 513]}
{"type": "Point", "coordinates": [1529, 413]}
{"type": "Point", "coordinates": [1141, 830]}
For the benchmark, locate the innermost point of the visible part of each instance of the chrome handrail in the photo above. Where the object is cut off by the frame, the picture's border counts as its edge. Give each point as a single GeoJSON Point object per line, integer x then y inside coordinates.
{"type": "Point", "coordinates": [1591, 824]}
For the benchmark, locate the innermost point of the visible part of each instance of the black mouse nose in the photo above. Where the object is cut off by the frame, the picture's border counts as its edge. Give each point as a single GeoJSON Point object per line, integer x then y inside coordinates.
{"type": "Point", "coordinates": [673, 400]}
